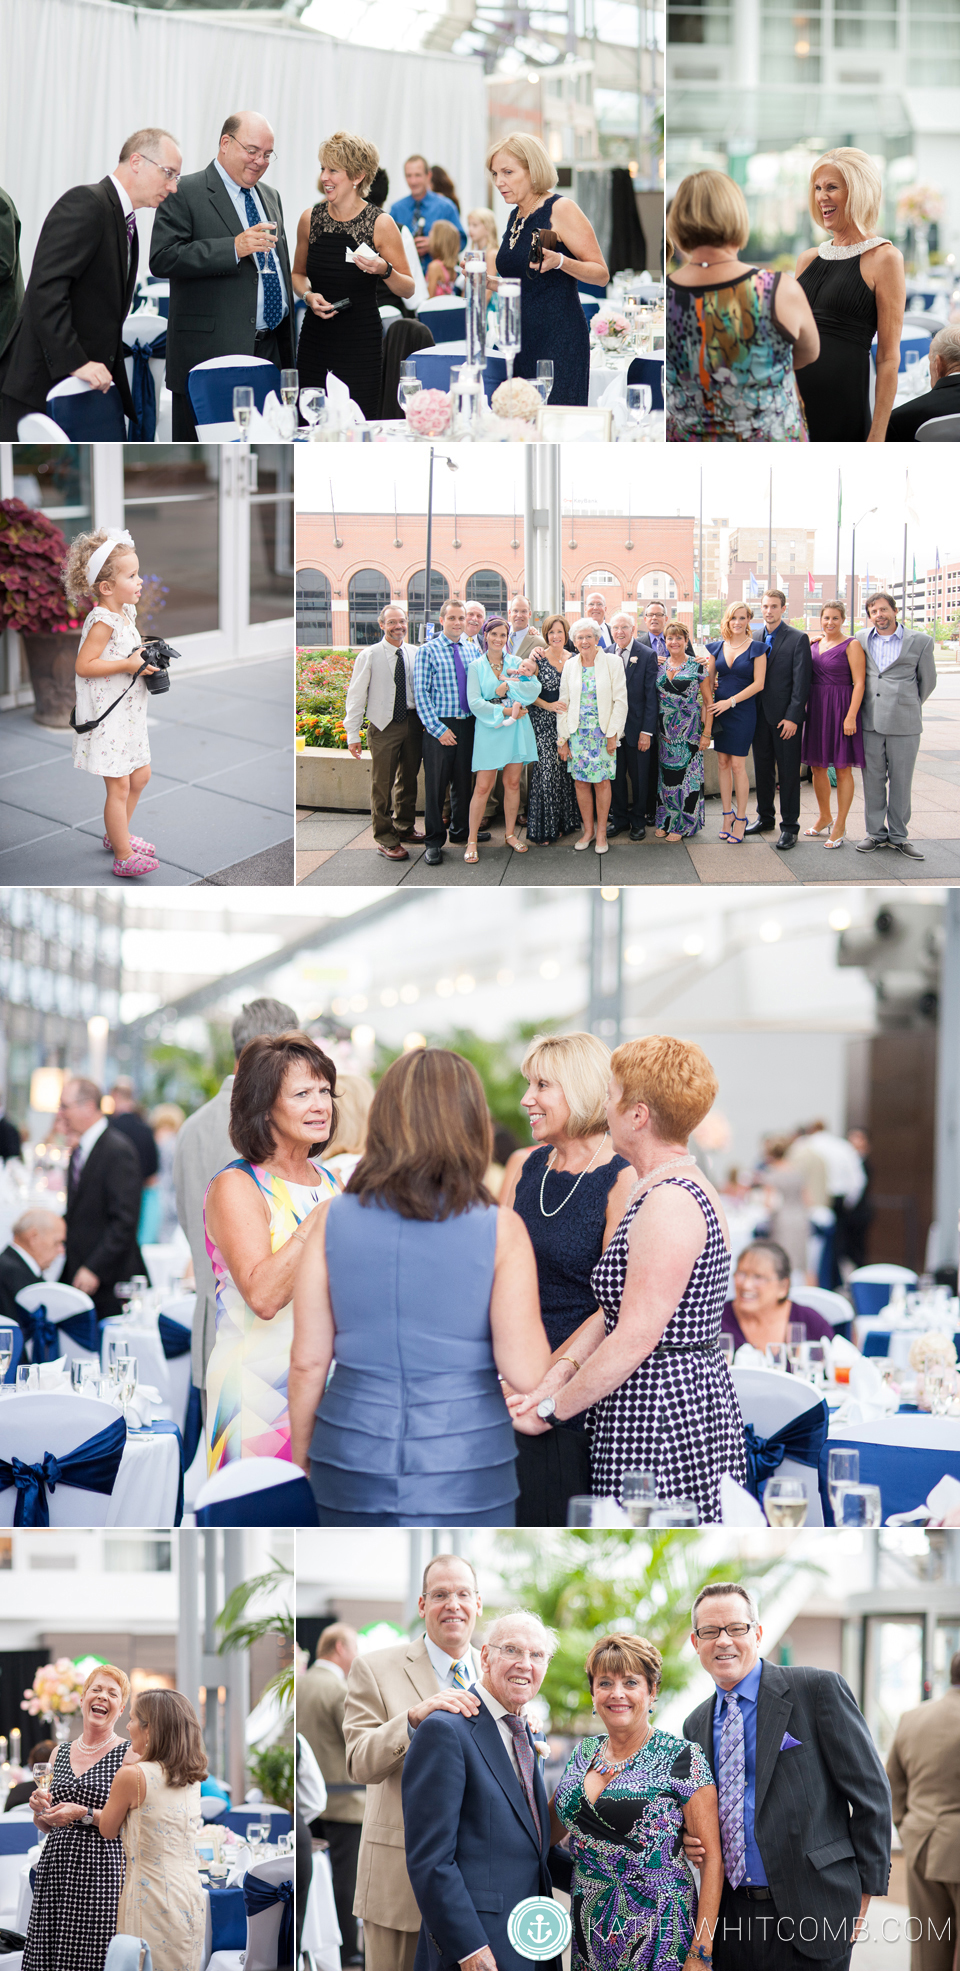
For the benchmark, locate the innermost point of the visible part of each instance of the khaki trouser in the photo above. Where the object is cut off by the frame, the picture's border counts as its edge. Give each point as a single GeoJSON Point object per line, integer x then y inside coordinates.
{"type": "Point", "coordinates": [388, 1950]}
{"type": "Point", "coordinates": [395, 752]}
{"type": "Point", "coordinates": [937, 1905]}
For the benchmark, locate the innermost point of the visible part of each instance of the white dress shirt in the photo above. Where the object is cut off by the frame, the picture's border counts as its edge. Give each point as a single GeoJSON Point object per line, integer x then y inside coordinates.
{"type": "Point", "coordinates": [236, 193]}
{"type": "Point", "coordinates": [88, 1139]}
{"type": "Point", "coordinates": [445, 1665]}
{"type": "Point", "coordinates": [604, 634]}
{"type": "Point", "coordinates": [499, 1712]}
{"type": "Point", "coordinates": [372, 689]}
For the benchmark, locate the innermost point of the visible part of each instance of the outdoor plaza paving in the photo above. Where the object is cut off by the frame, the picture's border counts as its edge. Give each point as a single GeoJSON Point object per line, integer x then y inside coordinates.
{"type": "Point", "coordinates": [338, 848]}
{"type": "Point", "coordinates": [218, 806]}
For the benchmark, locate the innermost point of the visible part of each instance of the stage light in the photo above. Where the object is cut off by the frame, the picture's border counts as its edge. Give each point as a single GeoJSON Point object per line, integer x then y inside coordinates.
{"type": "Point", "coordinates": [411, 1041]}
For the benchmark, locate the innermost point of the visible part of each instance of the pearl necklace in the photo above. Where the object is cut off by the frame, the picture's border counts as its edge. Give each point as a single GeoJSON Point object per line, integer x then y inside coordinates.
{"type": "Point", "coordinates": [617, 1765]}
{"type": "Point", "coordinates": [830, 251]}
{"type": "Point", "coordinates": [671, 1164]}
{"type": "Point", "coordinates": [82, 1745]}
{"type": "Point", "coordinates": [549, 1166]}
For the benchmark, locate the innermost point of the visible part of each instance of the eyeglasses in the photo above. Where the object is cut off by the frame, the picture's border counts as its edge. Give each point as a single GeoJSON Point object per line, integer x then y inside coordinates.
{"type": "Point", "coordinates": [535, 1657]}
{"type": "Point", "coordinates": [732, 1629]}
{"type": "Point", "coordinates": [465, 1595]}
{"type": "Point", "coordinates": [269, 157]}
{"type": "Point", "coordinates": [172, 177]}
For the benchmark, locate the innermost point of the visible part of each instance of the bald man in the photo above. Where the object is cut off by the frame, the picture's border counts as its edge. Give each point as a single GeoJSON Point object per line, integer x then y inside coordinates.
{"type": "Point", "coordinates": [35, 1240]}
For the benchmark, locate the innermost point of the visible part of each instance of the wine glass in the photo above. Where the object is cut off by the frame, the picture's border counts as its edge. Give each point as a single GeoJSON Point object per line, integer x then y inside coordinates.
{"type": "Point", "coordinates": [24, 1378]}
{"type": "Point", "coordinates": [141, 1286]}
{"type": "Point", "coordinates": [639, 1495]}
{"type": "Point", "coordinates": [127, 1378]}
{"type": "Point", "coordinates": [242, 407]}
{"type": "Point", "coordinates": [858, 1505]}
{"type": "Point", "coordinates": [124, 1291]}
{"type": "Point", "coordinates": [545, 380]}
{"type": "Point", "coordinates": [727, 1349]}
{"type": "Point", "coordinates": [843, 1468]}
{"type": "Point", "coordinates": [6, 1351]}
{"type": "Point", "coordinates": [776, 1356]}
{"type": "Point", "coordinates": [639, 403]}
{"type": "Point", "coordinates": [255, 1833]}
{"type": "Point", "coordinates": [785, 1502]}
{"type": "Point", "coordinates": [796, 1337]}
{"type": "Point", "coordinates": [77, 1366]}
{"type": "Point", "coordinates": [313, 403]}
{"type": "Point", "coordinates": [674, 1512]}
{"type": "Point", "coordinates": [583, 1510]}
{"type": "Point", "coordinates": [42, 1776]}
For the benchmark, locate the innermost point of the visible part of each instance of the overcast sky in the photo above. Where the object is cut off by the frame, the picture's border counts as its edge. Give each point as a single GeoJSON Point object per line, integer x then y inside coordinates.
{"type": "Point", "coordinates": [666, 480]}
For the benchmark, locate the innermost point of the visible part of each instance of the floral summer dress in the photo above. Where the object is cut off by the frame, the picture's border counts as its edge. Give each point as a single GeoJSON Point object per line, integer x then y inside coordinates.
{"type": "Point", "coordinates": [247, 1413]}
{"type": "Point", "coordinates": [589, 759]}
{"type": "Point", "coordinates": [634, 1897]}
{"type": "Point", "coordinates": [120, 744]}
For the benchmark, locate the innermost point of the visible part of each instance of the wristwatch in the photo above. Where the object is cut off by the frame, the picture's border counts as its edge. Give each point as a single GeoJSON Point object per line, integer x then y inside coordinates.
{"type": "Point", "coordinates": [87, 1820]}
{"type": "Point", "coordinates": [546, 1410]}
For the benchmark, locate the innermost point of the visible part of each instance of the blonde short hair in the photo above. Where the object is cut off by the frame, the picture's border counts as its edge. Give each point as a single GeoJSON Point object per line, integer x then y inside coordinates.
{"type": "Point", "coordinates": [532, 154]}
{"type": "Point", "coordinates": [354, 155]}
{"type": "Point", "coordinates": [863, 182]}
{"type": "Point", "coordinates": [109, 1670]}
{"type": "Point", "coordinates": [76, 581]}
{"type": "Point", "coordinates": [673, 1077]}
{"type": "Point", "coordinates": [733, 609]}
{"type": "Point", "coordinates": [708, 209]}
{"type": "Point", "coordinates": [579, 1063]}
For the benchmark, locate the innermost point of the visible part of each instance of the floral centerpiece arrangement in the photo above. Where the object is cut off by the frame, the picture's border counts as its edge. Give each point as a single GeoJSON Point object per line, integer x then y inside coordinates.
{"type": "Point", "coordinates": [55, 1691]}
{"type": "Point", "coordinates": [322, 680]}
{"type": "Point", "coordinates": [932, 1348]}
{"type": "Point", "coordinates": [610, 332]}
{"type": "Point", "coordinates": [429, 413]}
{"type": "Point", "coordinates": [516, 398]}
{"type": "Point", "coordinates": [919, 204]}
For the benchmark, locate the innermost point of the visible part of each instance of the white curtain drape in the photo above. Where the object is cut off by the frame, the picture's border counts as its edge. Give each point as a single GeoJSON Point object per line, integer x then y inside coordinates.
{"type": "Point", "coordinates": [79, 76]}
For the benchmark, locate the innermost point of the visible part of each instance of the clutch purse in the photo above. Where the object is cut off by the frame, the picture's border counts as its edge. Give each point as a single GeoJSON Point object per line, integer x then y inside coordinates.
{"type": "Point", "coordinates": [541, 243]}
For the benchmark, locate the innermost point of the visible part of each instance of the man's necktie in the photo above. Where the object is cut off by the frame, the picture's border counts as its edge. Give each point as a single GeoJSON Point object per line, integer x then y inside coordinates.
{"type": "Point", "coordinates": [131, 227]}
{"type": "Point", "coordinates": [76, 1165]}
{"type": "Point", "coordinates": [399, 714]}
{"type": "Point", "coordinates": [462, 1679]}
{"type": "Point", "coordinates": [731, 1777]}
{"type": "Point", "coordinates": [525, 1759]}
{"type": "Point", "coordinates": [272, 295]}
{"type": "Point", "coordinates": [461, 681]}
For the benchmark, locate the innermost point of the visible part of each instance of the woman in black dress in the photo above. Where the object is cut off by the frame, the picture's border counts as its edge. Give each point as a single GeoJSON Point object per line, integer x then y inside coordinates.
{"type": "Point", "coordinates": [79, 1874]}
{"type": "Point", "coordinates": [571, 1190]}
{"type": "Point", "coordinates": [552, 808]}
{"type": "Point", "coordinates": [552, 322]}
{"type": "Point", "coordinates": [347, 341]}
{"type": "Point", "coordinates": [855, 285]}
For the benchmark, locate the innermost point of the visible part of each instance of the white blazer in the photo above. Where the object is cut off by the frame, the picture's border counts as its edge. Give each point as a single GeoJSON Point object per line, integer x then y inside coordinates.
{"type": "Point", "coordinates": [611, 695]}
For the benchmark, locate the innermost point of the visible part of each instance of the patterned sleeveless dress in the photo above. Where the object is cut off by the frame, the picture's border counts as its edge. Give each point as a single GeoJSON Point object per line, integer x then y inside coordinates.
{"type": "Point", "coordinates": [247, 1414]}
{"type": "Point", "coordinates": [677, 1415]}
{"type": "Point", "coordinates": [162, 1900]}
{"type": "Point", "coordinates": [79, 1875]}
{"type": "Point", "coordinates": [351, 343]}
{"type": "Point", "coordinates": [729, 364]}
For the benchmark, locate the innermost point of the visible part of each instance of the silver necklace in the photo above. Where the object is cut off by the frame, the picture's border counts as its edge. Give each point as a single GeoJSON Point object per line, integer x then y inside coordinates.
{"type": "Point", "coordinates": [830, 251]}
{"type": "Point", "coordinates": [672, 1164]}
{"type": "Point", "coordinates": [617, 1765]}
{"type": "Point", "coordinates": [549, 1166]}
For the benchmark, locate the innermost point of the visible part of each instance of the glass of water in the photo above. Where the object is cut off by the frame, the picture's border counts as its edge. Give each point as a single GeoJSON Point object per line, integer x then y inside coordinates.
{"type": "Point", "coordinates": [674, 1512]}
{"type": "Point", "coordinates": [858, 1505]}
{"type": "Point", "coordinates": [77, 1366]}
{"type": "Point", "coordinates": [242, 406]}
{"type": "Point", "coordinates": [6, 1351]}
{"type": "Point", "coordinates": [410, 385]}
{"type": "Point", "coordinates": [313, 403]}
{"type": "Point", "coordinates": [796, 1336]}
{"type": "Point", "coordinates": [639, 403]}
{"type": "Point", "coordinates": [25, 1379]}
{"type": "Point", "coordinates": [785, 1502]}
{"type": "Point", "coordinates": [776, 1356]}
{"type": "Point", "coordinates": [843, 1468]}
{"type": "Point", "coordinates": [639, 1495]}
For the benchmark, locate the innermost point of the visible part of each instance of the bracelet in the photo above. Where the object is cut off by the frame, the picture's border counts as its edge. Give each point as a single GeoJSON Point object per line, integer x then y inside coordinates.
{"type": "Point", "coordinates": [560, 265]}
{"type": "Point", "coordinates": [298, 1235]}
{"type": "Point", "coordinates": [569, 1358]}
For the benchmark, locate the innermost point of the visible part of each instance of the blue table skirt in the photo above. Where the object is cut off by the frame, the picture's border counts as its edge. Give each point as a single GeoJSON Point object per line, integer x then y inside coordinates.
{"type": "Point", "coordinates": [904, 1475]}
{"type": "Point", "coordinates": [17, 1837]}
{"type": "Point", "coordinates": [877, 1341]}
{"type": "Point", "coordinates": [239, 1819]}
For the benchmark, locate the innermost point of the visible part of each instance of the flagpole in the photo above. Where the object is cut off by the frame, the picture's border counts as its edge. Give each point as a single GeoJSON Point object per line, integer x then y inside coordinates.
{"type": "Point", "coordinates": [839, 509]}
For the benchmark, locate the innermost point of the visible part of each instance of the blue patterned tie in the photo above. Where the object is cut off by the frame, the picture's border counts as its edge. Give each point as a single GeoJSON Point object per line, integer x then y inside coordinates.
{"type": "Point", "coordinates": [731, 1779]}
{"type": "Point", "coordinates": [272, 295]}
{"type": "Point", "coordinates": [462, 1679]}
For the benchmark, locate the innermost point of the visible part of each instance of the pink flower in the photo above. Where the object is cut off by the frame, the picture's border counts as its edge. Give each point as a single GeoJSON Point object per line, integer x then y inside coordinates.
{"type": "Point", "coordinates": [429, 413]}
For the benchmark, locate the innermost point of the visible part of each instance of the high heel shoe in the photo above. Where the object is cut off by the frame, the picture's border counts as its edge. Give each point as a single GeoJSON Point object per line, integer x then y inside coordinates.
{"type": "Point", "coordinates": [737, 840]}
{"type": "Point", "coordinates": [834, 842]}
{"type": "Point", "coordinates": [724, 832]}
{"type": "Point", "coordinates": [813, 832]}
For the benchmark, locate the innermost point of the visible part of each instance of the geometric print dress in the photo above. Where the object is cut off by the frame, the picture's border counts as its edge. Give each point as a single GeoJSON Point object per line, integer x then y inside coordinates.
{"type": "Point", "coordinates": [677, 1415]}
{"type": "Point", "coordinates": [79, 1876]}
{"type": "Point", "coordinates": [634, 1897]}
{"type": "Point", "coordinates": [248, 1371]}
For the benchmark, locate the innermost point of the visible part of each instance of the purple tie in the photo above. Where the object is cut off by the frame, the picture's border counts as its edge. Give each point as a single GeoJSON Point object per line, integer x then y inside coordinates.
{"type": "Point", "coordinates": [731, 1780]}
{"type": "Point", "coordinates": [524, 1752]}
{"type": "Point", "coordinates": [131, 227]}
{"type": "Point", "coordinates": [461, 680]}
{"type": "Point", "coordinates": [76, 1162]}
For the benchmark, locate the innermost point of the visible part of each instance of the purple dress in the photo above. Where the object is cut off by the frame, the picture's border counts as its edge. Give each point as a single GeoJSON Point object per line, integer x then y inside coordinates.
{"type": "Point", "coordinates": [824, 741]}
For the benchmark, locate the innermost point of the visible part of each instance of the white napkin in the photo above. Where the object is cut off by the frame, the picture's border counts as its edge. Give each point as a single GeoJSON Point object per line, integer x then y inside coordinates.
{"type": "Point", "coordinates": [737, 1507]}
{"type": "Point", "coordinates": [842, 1353]}
{"type": "Point", "coordinates": [748, 1357]}
{"type": "Point", "coordinates": [363, 252]}
{"type": "Point", "coordinates": [870, 1397]}
{"type": "Point", "coordinates": [341, 409]}
{"type": "Point", "coordinates": [614, 398]}
{"type": "Point", "coordinates": [941, 1500]}
{"type": "Point", "coordinates": [51, 1374]}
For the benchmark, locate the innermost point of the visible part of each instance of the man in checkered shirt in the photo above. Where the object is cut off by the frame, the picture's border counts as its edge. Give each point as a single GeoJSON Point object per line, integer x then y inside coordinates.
{"type": "Point", "coordinates": [440, 688]}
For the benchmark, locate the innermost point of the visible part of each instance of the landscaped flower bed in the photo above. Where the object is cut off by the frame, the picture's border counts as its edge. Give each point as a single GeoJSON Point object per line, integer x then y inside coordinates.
{"type": "Point", "coordinates": [322, 680]}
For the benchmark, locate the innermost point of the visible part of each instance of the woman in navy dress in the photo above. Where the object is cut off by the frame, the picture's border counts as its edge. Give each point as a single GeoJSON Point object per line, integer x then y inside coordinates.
{"type": "Point", "coordinates": [740, 670]}
{"type": "Point", "coordinates": [552, 322]}
{"type": "Point", "coordinates": [571, 1190]}
{"type": "Point", "coordinates": [425, 1294]}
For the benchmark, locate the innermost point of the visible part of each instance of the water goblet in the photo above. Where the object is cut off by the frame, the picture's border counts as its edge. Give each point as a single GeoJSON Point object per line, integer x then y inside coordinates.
{"type": "Point", "coordinates": [639, 403]}
{"type": "Point", "coordinates": [785, 1502]}
{"type": "Point", "coordinates": [6, 1351]}
{"type": "Point", "coordinates": [639, 1495]}
{"type": "Point", "coordinates": [313, 403]}
{"type": "Point", "coordinates": [843, 1468]}
{"type": "Point", "coordinates": [858, 1505]}
{"type": "Point", "coordinates": [242, 407]}
{"type": "Point", "coordinates": [674, 1512]}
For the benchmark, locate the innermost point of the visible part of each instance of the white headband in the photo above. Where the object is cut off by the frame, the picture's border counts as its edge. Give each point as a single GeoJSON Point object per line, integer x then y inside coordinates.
{"type": "Point", "coordinates": [104, 551]}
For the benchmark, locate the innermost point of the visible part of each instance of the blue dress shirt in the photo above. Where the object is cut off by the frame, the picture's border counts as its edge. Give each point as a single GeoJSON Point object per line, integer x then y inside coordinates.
{"type": "Point", "coordinates": [885, 649]}
{"type": "Point", "coordinates": [433, 206]}
{"type": "Point", "coordinates": [236, 194]}
{"type": "Point", "coordinates": [746, 1692]}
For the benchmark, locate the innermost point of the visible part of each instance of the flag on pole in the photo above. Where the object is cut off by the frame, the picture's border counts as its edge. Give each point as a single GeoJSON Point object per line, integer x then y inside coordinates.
{"type": "Point", "coordinates": [809, 582]}
{"type": "Point", "coordinates": [753, 586]}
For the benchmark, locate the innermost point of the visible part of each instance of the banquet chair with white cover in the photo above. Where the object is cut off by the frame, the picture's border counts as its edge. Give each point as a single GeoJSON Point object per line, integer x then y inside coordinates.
{"type": "Point", "coordinates": [124, 1954]}
{"type": "Point", "coordinates": [445, 316]}
{"type": "Point", "coordinates": [769, 1400]}
{"type": "Point", "coordinates": [824, 1301]}
{"type": "Point", "coordinates": [38, 429]}
{"type": "Point", "coordinates": [145, 330]}
{"type": "Point", "coordinates": [86, 413]}
{"type": "Point", "coordinates": [263, 1928]}
{"type": "Point", "coordinates": [61, 1303]}
{"type": "Point", "coordinates": [936, 431]}
{"type": "Point", "coordinates": [870, 1285]}
{"type": "Point", "coordinates": [34, 1425]}
{"type": "Point", "coordinates": [256, 1492]}
{"type": "Point", "coordinates": [415, 268]}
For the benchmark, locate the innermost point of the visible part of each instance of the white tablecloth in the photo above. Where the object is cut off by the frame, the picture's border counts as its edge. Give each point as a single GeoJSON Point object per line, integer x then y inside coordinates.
{"type": "Point", "coordinates": [171, 1378]}
{"type": "Point", "coordinates": [146, 1485]}
{"type": "Point", "coordinates": [321, 1931]}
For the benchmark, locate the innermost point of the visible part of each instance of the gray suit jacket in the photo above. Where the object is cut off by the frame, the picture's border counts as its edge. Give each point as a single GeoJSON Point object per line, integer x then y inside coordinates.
{"type": "Point", "coordinates": [822, 1817]}
{"type": "Point", "coordinates": [372, 690]}
{"type": "Point", "coordinates": [202, 1148]}
{"type": "Point", "coordinates": [892, 698]}
{"type": "Point", "coordinates": [213, 295]}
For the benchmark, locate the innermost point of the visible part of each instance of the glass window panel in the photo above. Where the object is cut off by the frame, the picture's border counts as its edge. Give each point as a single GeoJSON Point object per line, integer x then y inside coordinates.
{"type": "Point", "coordinates": [172, 509]}
{"type": "Point", "coordinates": [55, 478]}
{"type": "Point", "coordinates": [314, 612]}
{"type": "Point", "coordinates": [946, 1642]}
{"type": "Point", "coordinates": [271, 535]}
{"type": "Point", "coordinates": [687, 28]}
{"type": "Point", "coordinates": [929, 38]}
{"type": "Point", "coordinates": [895, 1676]}
{"type": "Point", "coordinates": [369, 593]}
{"type": "Point", "coordinates": [865, 34]}
{"type": "Point", "coordinates": [439, 592]}
{"type": "Point", "coordinates": [488, 587]}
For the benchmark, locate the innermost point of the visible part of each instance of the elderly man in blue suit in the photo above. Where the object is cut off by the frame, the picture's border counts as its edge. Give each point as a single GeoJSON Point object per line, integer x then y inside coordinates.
{"type": "Point", "coordinates": [475, 1813]}
{"type": "Point", "coordinates": [628, 806]}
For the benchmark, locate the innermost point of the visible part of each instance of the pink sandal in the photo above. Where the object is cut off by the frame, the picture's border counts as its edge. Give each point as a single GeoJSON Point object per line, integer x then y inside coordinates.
{"type": "Point", "coordinates": [136, 842]}
{"type": "Point", "coordinates": [135, 865]}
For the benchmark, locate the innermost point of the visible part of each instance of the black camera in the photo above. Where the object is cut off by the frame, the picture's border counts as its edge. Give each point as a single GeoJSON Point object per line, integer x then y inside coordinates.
{"type": "Point", "coordinates": [159, 653]}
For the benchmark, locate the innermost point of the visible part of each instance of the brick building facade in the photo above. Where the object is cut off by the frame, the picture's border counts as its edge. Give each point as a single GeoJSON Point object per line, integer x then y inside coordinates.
{"type": "Point", "coordinates": [340, 589]}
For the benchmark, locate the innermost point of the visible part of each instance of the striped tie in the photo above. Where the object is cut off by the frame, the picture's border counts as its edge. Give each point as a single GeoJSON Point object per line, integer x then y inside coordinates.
{"type": "Point", "coordinates": [462, 1680]}
{"type": "Point", "coordinates": [731, 1776]}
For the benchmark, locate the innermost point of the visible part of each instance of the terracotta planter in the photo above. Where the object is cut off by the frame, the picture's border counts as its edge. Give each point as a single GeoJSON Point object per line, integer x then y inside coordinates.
{"type": "Point", "coordinates": [52, 659]}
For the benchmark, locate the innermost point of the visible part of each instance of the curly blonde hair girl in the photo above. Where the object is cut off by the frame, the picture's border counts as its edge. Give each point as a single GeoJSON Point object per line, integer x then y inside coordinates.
{"type": "Point", "coordinates": [75, 581]}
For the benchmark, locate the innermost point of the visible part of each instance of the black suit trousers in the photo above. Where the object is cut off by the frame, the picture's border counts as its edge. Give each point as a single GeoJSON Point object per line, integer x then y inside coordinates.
{"type": "Point", "coordinates": [776, 759]}
{"type": "Point", "coordinates": [628, 805]}
{"type": "Point", "coordinates": [443, 767]}
{"type": "Point", "coordinates": [747, 1939]}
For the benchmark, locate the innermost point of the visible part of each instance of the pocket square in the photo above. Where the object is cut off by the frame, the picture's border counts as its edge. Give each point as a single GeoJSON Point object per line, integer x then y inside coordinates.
{"type": "Point", "coordinates": [786, 1742]}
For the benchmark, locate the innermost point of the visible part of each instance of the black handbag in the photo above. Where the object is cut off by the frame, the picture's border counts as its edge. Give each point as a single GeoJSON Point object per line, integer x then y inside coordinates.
{"type": "Point", "coordinates": [155, 652]}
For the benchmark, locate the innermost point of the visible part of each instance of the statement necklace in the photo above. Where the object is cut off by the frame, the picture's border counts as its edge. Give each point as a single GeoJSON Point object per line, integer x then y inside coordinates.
{"type": "Point", "coordinates": [518, 225]}
{"type": "Point", "coordinates": [549, 1166]}
{"type": "Point", "coordinates": [830, 251]}
{"type": "Point", "coordinates": [616, 1765]}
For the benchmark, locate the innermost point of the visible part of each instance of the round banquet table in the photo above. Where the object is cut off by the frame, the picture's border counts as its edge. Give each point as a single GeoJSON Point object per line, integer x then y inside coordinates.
{"type": "Point", "coordinates": [906, 1455]}
{"type": "Point", "coordinates": [231, 1897]}
{"type": "Point", "coordinates": [147, 1486]}
{"type": "Point", "coordinates": [171, 1376]}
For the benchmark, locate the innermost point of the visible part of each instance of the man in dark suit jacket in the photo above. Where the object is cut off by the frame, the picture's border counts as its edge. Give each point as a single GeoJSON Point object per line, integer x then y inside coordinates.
{"type": "Point", "coordinates": [804, 1800]}
{"type": "Point", "coordinates": [82, 280]}
{"type": "Point", "coordinates": [780, 715]}
{"type": "Point", "coordinates": [103, 1199]}
{"type": "Point", "coordinates": [628, 805]}
{"type": "Point", "coordinates": [230, 287]}
{"type": "Point", "coordinates": [11, 277]}
{"type": "Point", "coordinates": [35, 1241]}
{"type": "Point", "coordinates": [943, 397]}
{"type": "Point", "coordinates": [475, 1814]}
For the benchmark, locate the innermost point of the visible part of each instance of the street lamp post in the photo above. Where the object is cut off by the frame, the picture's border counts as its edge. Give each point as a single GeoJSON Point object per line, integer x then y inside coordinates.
{"type": "Point", "coordinates": [451, 467]}
{"type": "Point", "coordinates": [853, 567]}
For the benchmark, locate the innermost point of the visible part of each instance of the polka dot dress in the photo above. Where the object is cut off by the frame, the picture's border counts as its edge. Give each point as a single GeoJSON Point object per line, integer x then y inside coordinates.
{"type": "Point", "coordinates": [677, 1415]}
{"type": "Point", "coordinates": [79, 1876]}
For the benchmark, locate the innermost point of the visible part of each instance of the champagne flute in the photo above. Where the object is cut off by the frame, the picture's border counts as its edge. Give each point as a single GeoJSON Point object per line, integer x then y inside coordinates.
{"type": "Point", "coordinates": [289, 386]}
{"type": "Point", "coordinates": [313, 403]}
{"type": "Point", "coordinates": [796, 1336]}
{"type": "Point", "coordinates": [674, 1512]}
{"type": "Point", "coordinates": [545, 380]}
{"type": "Point", "coordinates": [843, 1468]}
{"type": "Point", "coordinates": [639, 1495]}
{"type": "Point", "coordinates": [6, 1351]}
{"type": "Point", "coordinates": [785, 1502]}
{"type": "Point", "coordinates": [242, 407]}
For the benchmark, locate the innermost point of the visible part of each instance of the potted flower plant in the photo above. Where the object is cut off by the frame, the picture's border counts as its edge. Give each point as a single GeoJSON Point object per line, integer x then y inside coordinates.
{"type": "Point", "coordinates": [32, 601]}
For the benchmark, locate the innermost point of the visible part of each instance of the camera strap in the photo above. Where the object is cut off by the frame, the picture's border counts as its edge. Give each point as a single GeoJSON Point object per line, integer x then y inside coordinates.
{"type": "Point", "coordinates": [89, 725]}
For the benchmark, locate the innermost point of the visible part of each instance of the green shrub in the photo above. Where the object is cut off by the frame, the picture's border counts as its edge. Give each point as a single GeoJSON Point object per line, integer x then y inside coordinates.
{"type": "Point", "coordinates": [322, 680]}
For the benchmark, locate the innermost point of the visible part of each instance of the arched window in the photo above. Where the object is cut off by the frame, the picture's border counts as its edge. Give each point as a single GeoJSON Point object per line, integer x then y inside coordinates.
{"type": "Point", "coordinates": [314, 614]}
{"type": "Point", "coordinates": [488, 587]}
{"type": "Point", "coordinates": [416, 589]}
{"type": "Point", "coordinates": [369, 593]}
{"type": "Point", "coordinates": [657, 587]}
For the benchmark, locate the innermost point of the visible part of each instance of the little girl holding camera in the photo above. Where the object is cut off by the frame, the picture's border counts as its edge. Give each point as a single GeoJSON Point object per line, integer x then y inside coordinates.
{"type": "Point", "coordinates": [105, 568]}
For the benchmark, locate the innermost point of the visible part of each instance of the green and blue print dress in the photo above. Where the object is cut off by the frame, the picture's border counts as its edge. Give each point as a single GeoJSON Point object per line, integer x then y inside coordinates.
{"type": "Point", "coordinates": [589, 759]}
{"type": "Point", "coordinates": [634, 1896]}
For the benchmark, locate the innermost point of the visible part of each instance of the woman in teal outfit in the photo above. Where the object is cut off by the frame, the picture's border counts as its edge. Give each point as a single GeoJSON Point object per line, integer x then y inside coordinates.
{"type": "Point", "coordinates": [590, 723]}
{"type": "Point", "coordinates": [682, 738]}
{"type": "Point", "coordinates": [498, 693]}
{"type": "Point", "coordinates": [626, 1799]}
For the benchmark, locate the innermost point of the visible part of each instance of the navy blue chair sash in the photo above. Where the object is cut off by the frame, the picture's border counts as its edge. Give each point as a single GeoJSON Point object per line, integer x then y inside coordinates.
{"type": "Point", "coordinates": [802, 1439]}
{"type": "Point", "coordinates": [83, 1328]}
{"type": "Point", "coordinates": [259, 1895]}
{"type": "Point", "coordinates": [276, 1505]}
{"type": "Point", "coordinates": [175, 1338]}
{"type": "Point", "coordinates": [228, 1919]}
{"type": "Point", "coordinates": [92, 1467]}
{"type": "Point", "coordinates": [44, 1340]}
{"type": "Point", "coordinates": [19, 1338]}
{"type": "Point", "coordinates": [143, 424]}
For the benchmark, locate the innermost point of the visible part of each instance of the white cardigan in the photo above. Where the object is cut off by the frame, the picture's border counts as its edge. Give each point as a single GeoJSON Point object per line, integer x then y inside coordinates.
{"type": "Point", "coordinates": [611, 695]}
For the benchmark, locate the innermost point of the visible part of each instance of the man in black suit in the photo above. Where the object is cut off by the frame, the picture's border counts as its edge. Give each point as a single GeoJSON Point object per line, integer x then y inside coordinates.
{"type": "Point", "coordinates": [804, 1800]}
{"type": "Point", "coordinates": [783, 703]}
{"type": "Point", "coordinates": [943, 397]}
{"type": "Point", "coordinates": [229, 273]}
{"type": "Point", "coordinates": [655, 621]}
{"type": "Point", "coordinates": [35, 1241]}
{"type": "Point", "coordinates": [82, 281]}
{"type": "Point", "coordinates": [628, 805]}
{"type": "Point", "coordinates": [103, 1199]}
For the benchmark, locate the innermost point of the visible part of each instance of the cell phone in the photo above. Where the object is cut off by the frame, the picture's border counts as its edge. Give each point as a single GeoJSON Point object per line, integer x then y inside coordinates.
{"type": "Point", "coordinates": [339, 306]}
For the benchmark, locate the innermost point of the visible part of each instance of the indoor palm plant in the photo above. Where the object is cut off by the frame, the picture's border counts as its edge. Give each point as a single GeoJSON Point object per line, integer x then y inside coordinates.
{"type": "Point", "coordinates": [32, 602]}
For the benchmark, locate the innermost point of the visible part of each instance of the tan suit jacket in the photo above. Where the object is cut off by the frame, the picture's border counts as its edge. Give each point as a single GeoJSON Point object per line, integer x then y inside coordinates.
{"type": "Point", "coordinates": [381, 1689]}
{"type": "Point", "coordinates": [321, 1696]}
{"type": "Point", "coordinates": [924, 1774]}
